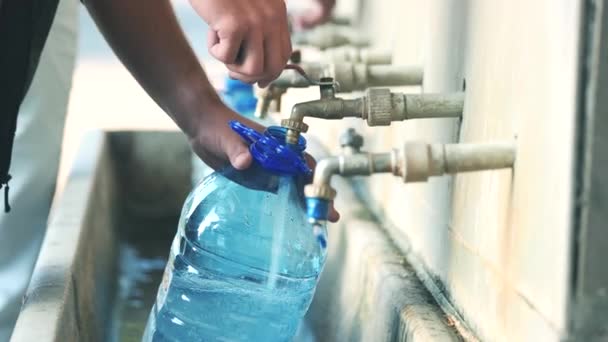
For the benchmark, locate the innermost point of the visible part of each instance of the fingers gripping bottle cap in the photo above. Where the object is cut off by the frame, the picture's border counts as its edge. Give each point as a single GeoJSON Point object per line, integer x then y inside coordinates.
{"type": "Point", "coordinates": [271, 151]}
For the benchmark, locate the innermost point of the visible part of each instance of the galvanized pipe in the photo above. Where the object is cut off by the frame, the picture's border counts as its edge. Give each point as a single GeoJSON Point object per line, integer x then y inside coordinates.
{"type": "Point", "coordinates": [415, 162]}
{"type": "Point", "coordinates": [393, 75]}
{"type": "Point", "coordinates": [351, 54]}
{"type": "Point", "coordinates": [433, 106]}
{"type": "Point", "coordinates": [379, 107]}
{"type": "Point", "coordinates": [360, 164]}
{"type": "Point", "coordinates": [352, 76]}
{"type": "Point", "coordinates": [327, 36]}
{"type": "Point", "coordinates": [349, 77]}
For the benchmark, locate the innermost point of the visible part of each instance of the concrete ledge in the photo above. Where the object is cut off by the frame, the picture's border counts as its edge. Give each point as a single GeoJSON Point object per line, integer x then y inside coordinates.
{"type": "Point", "coordinates": [71, 290]}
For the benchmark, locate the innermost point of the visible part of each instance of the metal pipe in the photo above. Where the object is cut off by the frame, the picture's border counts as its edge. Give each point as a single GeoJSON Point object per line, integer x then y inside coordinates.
{"type": "Point", "coordinates": [348, 76]}
{"type": "Point", "coordinates": [329, 109]}
{"type": "Point", "coordinates": [327, 36]}
{"type": "Point", "coordinates": [434, 105]}
{"type": "Point", "coordinates": [359, 164]}
{"type": "Point", "coordinates": [379, 107]}
{"type": "Point", "coordinates": [415, 162]}
{"type": "Point", "coordinates": [352, 54]}
{"type": "Point", "coordinates": [419, 161]}
{"type": "Point", "coordinates": [351, 76]}
{"type": "Point", "coordinates": [393, 75]}
{"type": "Point", "coordinates": [477, 157]}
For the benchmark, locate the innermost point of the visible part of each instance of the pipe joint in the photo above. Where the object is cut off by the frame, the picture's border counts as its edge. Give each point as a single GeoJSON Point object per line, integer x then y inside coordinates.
{"type": "Point", "coordinates": [329, 108]}
{"type": "Point", "coordinates": [383, 107]}
{"type": "Point", "coordinates": [414, 162]}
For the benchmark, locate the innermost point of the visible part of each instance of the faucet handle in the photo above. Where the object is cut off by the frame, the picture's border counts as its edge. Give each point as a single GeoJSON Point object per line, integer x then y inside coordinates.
{"type": "Point", "coordinates": [351, 138]}
{"type": "Point", "coordinates": [323, 82]}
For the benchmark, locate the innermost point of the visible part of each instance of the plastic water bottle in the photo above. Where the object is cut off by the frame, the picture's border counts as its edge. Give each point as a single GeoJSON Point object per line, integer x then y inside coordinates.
{"type": "Point", "coordinates": [239, 97]}
{"type": "Point", "coordinates": [244, 263]}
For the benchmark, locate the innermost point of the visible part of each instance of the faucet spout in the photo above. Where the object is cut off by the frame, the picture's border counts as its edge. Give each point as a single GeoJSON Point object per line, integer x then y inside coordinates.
{"type": "Point", "coordinates": [331, 108]}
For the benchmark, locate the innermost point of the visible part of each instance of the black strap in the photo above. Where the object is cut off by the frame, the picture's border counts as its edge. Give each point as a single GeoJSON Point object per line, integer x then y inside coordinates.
{"type": "Point", "coordinates": [24, 27]}
{"type": "Point", "coordinates": [7, 207]}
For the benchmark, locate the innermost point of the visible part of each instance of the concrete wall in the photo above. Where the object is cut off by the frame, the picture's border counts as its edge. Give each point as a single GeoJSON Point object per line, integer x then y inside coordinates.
{"type": "Point", "coordinates": [495, 245]}
{"type": "Point", "coordinates": [72, 287]}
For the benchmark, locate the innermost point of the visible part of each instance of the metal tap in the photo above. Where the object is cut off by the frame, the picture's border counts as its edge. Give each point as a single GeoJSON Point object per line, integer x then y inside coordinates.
{"type": "Point", "coordinates": [379, 107]}
{"type": "Point", "coordinates": [295, 74]}
{"type": "Point", "coordinates": [266, 97]}
{"type": "Point", "coordinates": [414, 162]}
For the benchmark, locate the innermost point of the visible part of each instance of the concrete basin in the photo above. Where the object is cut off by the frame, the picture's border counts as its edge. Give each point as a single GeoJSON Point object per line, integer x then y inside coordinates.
{"type": "Point", "coordinates": [109, 236]}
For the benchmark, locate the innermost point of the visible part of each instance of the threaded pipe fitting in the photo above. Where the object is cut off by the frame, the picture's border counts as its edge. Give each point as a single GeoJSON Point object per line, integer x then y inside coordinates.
{"type": "Point", "coordinates": [378, 107]}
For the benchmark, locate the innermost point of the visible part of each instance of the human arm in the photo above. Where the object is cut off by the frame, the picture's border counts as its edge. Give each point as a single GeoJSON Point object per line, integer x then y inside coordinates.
{"type": "Point", "coordinates": [151, 44]}
{"type": "Point", "coordinates": [153, 47]}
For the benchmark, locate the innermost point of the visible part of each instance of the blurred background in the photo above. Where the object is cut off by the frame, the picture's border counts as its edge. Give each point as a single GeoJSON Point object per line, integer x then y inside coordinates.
{"type": "Point", "coordinates": [99, 72]}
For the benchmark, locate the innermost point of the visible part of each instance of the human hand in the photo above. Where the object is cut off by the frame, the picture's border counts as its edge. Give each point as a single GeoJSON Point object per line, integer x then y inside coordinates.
{"type": "Point", "coordinates": [216, 143]}
{"type": "Point", "coordinates": [320, 13]}
{"type": "Point", "coordinates": [250, 37]}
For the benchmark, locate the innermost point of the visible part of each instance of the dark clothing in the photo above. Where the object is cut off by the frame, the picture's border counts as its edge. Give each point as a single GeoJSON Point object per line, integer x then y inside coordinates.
{"type": "Point", "coordinates": [24, 27]}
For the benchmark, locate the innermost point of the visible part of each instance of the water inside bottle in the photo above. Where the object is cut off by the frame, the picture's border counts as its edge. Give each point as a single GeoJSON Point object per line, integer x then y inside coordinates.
{"type": "Point", "coordinates": [240, 297]}
{"type": "Point", "coordinates": [278, 236]}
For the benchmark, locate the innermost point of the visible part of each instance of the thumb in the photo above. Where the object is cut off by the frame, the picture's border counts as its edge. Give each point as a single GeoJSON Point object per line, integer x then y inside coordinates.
{"type": "Point", "coordinates": [237, 152]}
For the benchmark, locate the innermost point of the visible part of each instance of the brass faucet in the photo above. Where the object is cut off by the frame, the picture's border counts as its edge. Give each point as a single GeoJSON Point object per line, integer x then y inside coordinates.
{"type": "Point", "coordinates": [349, 76]}
{"type": "Point", "coordinates": [379, 107]}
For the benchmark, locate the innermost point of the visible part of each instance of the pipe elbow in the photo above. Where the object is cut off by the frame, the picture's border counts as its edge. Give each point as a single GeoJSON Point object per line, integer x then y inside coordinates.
{"type": "Point", "coordinates": [316, 109]}
{"type": "Point", "coordinates": [298, 111]}
{"type": "Point", "coordinates": [330, 109]}
{"type": "Point", "coordinates": [319, 193]}
{"type": "Point", "coordinates": [325, 169]}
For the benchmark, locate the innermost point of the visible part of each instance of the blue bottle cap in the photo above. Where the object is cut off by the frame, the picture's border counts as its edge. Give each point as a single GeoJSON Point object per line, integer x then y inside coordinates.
{"type": "Point", "coordinates": [232, 84]}
{"type": "Point", "coordinates": [271, 151]}
{"type": "Point", "coordinates": [246, 105]}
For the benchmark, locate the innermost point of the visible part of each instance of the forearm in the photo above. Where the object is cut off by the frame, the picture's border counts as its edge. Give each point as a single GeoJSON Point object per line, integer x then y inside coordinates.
{"type": "Point", "coordinates": [147, 38]}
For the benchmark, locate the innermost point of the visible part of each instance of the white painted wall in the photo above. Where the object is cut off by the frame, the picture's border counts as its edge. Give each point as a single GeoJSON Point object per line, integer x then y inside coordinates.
{"type": "Point", "coordinates": [497, 241]}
